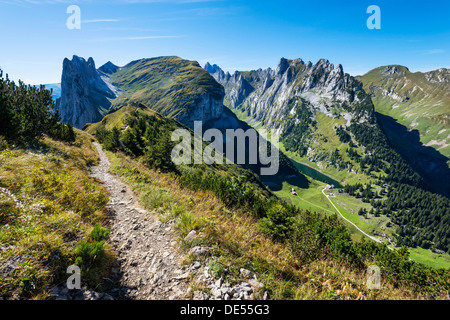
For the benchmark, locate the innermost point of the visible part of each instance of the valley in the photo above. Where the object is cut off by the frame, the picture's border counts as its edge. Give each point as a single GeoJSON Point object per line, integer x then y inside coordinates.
{"type": "Point", "coordinates": [310, 197]}
{"type": "Point", "coordinates": [327, 146]}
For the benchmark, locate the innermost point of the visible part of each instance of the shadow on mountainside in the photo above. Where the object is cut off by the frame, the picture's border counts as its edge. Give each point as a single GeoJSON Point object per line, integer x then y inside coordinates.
{"type": "Point", "coordinates": [427, 161]}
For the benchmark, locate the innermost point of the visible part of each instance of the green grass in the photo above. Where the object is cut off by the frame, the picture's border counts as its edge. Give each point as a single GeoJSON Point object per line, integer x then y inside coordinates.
{"type": "Point", "coordinates": [168, 85]}
{"type": "Point", "coordinates": [49, 209]}
{"type": "Point", "coordinates": [118, 118]}
{"type": "Point", "coordinates": [430, 258]}
{"type": "Point", "coordinates": [311, 198]}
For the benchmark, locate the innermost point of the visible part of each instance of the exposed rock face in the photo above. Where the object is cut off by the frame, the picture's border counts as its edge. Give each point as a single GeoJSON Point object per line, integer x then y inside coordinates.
{"type": "Point", "coordinates": [108, 68]}
{"type": "Point", "coordinates": [212, 68]}
{"type": "Point", "coordinates": [206, 107]}
{"type": "Point", "coordinates": [395, 70]}
{"type": "Point", "coordinates": [440, 76]}
{"type": "Point", "coordinates": [85, 94]}
{"type": "Point", "coordinates": [237, 88]}
{"type": "Point", "coordinates": [271, 95]}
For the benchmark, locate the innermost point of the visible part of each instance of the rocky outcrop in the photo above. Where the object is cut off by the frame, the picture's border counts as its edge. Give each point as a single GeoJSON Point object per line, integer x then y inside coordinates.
{"type": "Point", "coordinates": [270, 95]}
{"type": "Point", "coordinates": [108, 68]}
{"type": "Point", "coordinates": [86, 94]}
{"type": "Point", "coordinates": [205, 107]}
{"type": "Point", "coordinates": [395, 70]}
{"type": "Point", "coordinates": [438, 76]}
{"type": "Point", "coordinates": [249, 288]}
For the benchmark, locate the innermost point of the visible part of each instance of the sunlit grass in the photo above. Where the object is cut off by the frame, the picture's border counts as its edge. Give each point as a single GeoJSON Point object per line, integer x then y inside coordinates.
{"type": "Point", "coordinates": [233, 237]}
{"type": "Point", "coordinates": [48, 205]}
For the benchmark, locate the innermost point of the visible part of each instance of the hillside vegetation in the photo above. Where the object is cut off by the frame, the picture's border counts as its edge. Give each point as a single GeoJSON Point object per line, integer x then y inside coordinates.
{"type": "Point", "coordinates": [52, 215]}
{"type": "Point", "coordinates": [229, 209]}
{"type": "Point", "coordinates": [51, 211]}
{"type": "Point", "coordinates": [48, 209]}
{"type": "Point", "coordinates": [417, 100]}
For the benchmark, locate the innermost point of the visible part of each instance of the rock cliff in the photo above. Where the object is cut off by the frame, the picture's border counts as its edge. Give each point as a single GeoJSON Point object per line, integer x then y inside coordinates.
{"type": "Point", "coordinates": [272, 95]}
{"type": "Point", "coordinates": [86, 94]}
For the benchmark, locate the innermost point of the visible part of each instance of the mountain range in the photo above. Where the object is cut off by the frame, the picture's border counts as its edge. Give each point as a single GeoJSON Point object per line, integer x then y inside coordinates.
{"type": "Point", "coordinates": [325, 119]}
{"type": "Point", "coordinates": [303, 101]}
{"type": "Point", "coordinates": [419, 101]}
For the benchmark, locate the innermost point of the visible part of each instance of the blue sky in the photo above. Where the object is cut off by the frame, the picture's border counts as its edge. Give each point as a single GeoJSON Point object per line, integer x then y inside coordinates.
{"type": "Point", "coordinates": [236, 35]}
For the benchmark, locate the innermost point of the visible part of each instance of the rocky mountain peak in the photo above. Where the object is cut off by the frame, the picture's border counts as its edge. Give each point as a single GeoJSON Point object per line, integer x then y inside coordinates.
{"type": "Point", "coordinates": [283, 65]}
{"type": "Point", "coordinates": [84, 92]}
{"type": "Point", "coordinates": [323, 65]}
{"type": "Point", "coordinates": [109, 68]}
{"type": "Point", "coordinates": [395, 70]}
{"type": "Point", "coordinates": [212, 68]}
{"type": "Point", "coordinates": [441, 75]}
{"type": "Point", "coordinates": [217, 72]}
{"type": "Point", "coordinates": [269, 95]}
{"type": "Point", "coordinates": [339, 69]}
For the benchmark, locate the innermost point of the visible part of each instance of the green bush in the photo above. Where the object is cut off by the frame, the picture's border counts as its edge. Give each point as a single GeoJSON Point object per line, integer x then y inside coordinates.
{"type": "Point", "coordinates": [3, 143]}
{"type": "Point", "coordinates": [99, 233]}
{"type": "Point", "coordinates": [88, 252]}
{"type": "Point", "coordinates": [63, 132]}
{"type": "Point", "coordinates": [278, 222]}
{"type": "Point", "coordinates": [92, 257]}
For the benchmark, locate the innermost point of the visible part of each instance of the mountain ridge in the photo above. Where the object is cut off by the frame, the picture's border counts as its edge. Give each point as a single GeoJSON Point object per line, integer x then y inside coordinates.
{"type": "Point", "coordinates": [419, 101]}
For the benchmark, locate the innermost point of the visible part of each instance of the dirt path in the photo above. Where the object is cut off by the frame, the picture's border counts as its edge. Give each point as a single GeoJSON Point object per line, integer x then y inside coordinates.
{"type": "Point", "coordinates": [367, 235]}
{"type": "Point", "coordinates": [148, 265]}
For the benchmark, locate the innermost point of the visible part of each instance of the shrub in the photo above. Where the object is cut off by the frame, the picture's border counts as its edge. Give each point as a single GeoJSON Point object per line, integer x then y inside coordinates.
{"type": "Point", "coordinates": [3, 143]}
{"type": "Point", "coordinates": [63, 132]}
{"type": "Point", "coordinates": [26, 112]}
{"type": "Point", "coordinates": [278, 222]}
{"type": "Point", "coordinates": [99, 233]}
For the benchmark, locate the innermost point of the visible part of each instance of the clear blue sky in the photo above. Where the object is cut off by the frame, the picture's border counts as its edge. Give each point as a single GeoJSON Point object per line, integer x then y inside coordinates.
{"type": "Point", "coordinates": [236, 35]}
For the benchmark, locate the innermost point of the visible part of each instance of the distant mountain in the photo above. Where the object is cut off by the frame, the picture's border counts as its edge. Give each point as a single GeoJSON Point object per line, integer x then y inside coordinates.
{"type": "Point", "coordinates": [172, 86]}
{"type": "Point", "coordinates": [298, 99]}
{"type": "Point", "coordinates": [56, 90]}
{"type": "Point", "coordinates": [420, 101]}
{"type": "Point", "coordinates": [109, 68]}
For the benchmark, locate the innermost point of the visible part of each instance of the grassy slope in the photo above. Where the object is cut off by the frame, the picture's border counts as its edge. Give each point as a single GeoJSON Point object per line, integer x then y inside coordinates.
{"type": "Point", "coordinates": [168, 85]}
{"type": "Point", "coordinates": [52, 206]}
{"type": "Point", "coordinates": [237, 243]}
{"type": "Point", "coordinates": [118, 118]}
{"type": "Point", "coordinates": [233, 234]}
{"type": "Point", "coordinates": [427, 110]}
